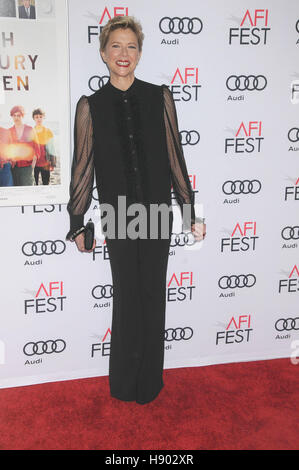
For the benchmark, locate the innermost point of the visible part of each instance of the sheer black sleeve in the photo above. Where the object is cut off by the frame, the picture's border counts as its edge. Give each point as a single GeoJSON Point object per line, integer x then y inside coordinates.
{"type": "Point", "coordinates": [179, 174]}
{"type": "Point", "coordinates": [82, 175]}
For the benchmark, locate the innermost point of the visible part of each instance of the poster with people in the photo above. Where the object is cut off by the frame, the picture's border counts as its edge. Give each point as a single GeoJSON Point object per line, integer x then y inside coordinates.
{"type": "Point", "coordinates": [34, 102]}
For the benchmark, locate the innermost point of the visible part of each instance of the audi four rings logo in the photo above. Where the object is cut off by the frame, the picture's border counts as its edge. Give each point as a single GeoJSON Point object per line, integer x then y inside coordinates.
{"type": "Point", "coordinates": [231, 282]}
{"type": "Point", "coordinates": [290, 233]}
{"type": "Point", "coordinates": [297, 26]}
{"type": "Point", "coordinates": [241, 187]}
{"type": "Point", "coordinates": [182, 239]}
{"type": "Point", "coordinates": [96, 83]}
{"type": "Point", "coordinates": [103, 292]}
{"type": "Point", "coordinates": [44, 347]}
{"type": "Point", "coordinates": [95, 195]}
{"type": "Point", "coordinates": [178, 25]}
{"type": "Point", "coordinates": [243, 82]}
{"type": "Point", "coordinates": [177, 334]}
{"type": "Point", "coordinates": [287, 324]}
{"type": "Point", "coordinates": [48, 248]}
{"type": "Point", "coordinates": [293, 134]}
{"type": "Point", "coordinates": [189, 137]}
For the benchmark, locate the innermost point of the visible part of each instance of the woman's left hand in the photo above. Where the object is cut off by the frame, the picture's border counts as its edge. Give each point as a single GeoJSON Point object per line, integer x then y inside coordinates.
{"type": "Point", "coordinates": [198, 231]}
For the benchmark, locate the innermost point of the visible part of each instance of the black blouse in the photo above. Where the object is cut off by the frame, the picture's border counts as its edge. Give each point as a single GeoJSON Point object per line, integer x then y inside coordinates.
{"type": "Point", "coordinates": [129, 140]}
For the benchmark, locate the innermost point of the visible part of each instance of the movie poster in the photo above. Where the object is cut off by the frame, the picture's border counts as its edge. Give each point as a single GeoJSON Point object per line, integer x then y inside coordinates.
{"type": "Point", "coordinates": [34, 102]}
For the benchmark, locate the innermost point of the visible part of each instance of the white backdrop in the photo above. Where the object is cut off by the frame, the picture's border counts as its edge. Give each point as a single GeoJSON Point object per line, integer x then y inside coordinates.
{"type": "Point", "coordinates": [231, 298]}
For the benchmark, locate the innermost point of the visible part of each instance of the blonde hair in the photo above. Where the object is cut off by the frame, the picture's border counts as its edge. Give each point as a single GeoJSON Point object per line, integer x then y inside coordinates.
{"type": "Point", "coordinates": [123, 22]}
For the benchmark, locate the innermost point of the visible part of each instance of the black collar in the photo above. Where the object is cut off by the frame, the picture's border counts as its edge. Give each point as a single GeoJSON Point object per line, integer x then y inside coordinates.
{"type": "Point", "coordinates": [117, 91]}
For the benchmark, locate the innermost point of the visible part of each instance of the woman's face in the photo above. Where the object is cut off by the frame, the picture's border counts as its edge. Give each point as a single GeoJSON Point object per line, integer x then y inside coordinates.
{"type": "Point", "coordinates": [121, 53]}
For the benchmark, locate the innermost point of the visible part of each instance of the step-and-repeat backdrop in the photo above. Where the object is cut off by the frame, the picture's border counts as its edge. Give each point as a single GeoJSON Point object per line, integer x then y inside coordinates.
{"type": "Point", "coordinates": [233, 69]}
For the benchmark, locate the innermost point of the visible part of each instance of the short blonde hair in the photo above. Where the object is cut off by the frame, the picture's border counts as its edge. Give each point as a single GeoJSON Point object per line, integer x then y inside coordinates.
{"type": "Point", "coordinates": [123, 22]}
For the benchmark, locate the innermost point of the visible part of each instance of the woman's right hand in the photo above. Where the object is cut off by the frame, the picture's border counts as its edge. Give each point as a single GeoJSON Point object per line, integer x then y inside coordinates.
{"type": "Point", "coordinates": [80, 243]}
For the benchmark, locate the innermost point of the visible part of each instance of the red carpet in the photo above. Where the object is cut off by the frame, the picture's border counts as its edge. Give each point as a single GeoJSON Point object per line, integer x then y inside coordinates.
{"type": "Point", "coordinates": [249, 405]}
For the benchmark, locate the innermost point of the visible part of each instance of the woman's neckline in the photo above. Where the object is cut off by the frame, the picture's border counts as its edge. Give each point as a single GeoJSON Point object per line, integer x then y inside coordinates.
{"type": "Point", "coordinates": [122, 91]}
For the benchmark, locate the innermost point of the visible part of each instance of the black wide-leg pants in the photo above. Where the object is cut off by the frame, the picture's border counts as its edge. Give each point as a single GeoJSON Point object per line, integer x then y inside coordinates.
{"type": "Point", "coordinates": [139, 269]}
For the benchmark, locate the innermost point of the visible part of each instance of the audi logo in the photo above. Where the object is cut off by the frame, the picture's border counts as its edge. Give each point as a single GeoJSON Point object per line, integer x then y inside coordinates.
{"type": "Point", "coordinates": [297, 26]}
{"type": "Point", "coordinates": [250, 83]}
{"type": "Point", "coordinates": [189, 137]}
{"type": "Point", "coordinates": [290, 233]}
{"type": "Point", "coordinates": [242, 280]}
{"type": "Point", "coordinates": [48, 248]}
{"type": "Point", "coordinates": [293, 134]}
{"type": "Point", "coordinates": [287, 324]}
{"type": "Point", "coordinates": [178, 25]}
{"type": "Point", "coordinates": [102, 292]}
{"type": "Point", "coordinates": [44, 347]}
{"type": "Point", "coordinates": [177, 334]}
{"type": "Point", "coordinates": [182, 239]}
{"type": "Point", "coordinates": [241, 187]}
{"type": "Point", "coordinates": [96, 83]}
{"type": "Point", "coordinates": [95, 194]}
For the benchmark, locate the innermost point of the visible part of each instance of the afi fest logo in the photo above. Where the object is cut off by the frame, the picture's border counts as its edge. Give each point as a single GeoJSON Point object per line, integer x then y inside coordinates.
{"type": "Point", "coordinates": [180, 287]}
{"type": "Point", "coordinates": [105, 16]}
{"type": "Point", "coordinates": [255, 34]}
{"type": "Point", "coordinates": [102, 251]}
{"type": "Point", "coordinates": [104, 346]}
{"type": "Point", "coordinates": [292, 192]}
{"type": "Point", "coordinates": [48, 298]}
{"type": "Point", "coordinates": [246, 240]}
{"type": "Point", "coordinates": [247, 140]}
{"type": "Point", "coordinates": [291, 284]}
{"type": "Point", "coordinates": [185, 84]}
{"type": "Point", "coordinates": [238, 330]}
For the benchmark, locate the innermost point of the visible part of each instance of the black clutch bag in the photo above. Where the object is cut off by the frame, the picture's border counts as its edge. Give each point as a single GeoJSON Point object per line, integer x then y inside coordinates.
{"type": "Point", "coordinates": [89, 235]}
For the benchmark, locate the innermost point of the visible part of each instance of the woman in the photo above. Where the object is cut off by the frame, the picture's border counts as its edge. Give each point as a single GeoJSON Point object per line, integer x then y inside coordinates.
{"type": "Point", "coordinates": [24, 149]}
{"type": "Point", "coordinates": [127, 131]}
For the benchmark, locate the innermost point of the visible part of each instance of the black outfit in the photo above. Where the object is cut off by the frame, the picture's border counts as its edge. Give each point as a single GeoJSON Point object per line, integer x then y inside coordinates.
{"type": "Point", "coordinates": [131, 139]}
{"type": "Point", "coordinates": [44, 173]}
{"type": "Point", "coordinates": [23, 12]}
